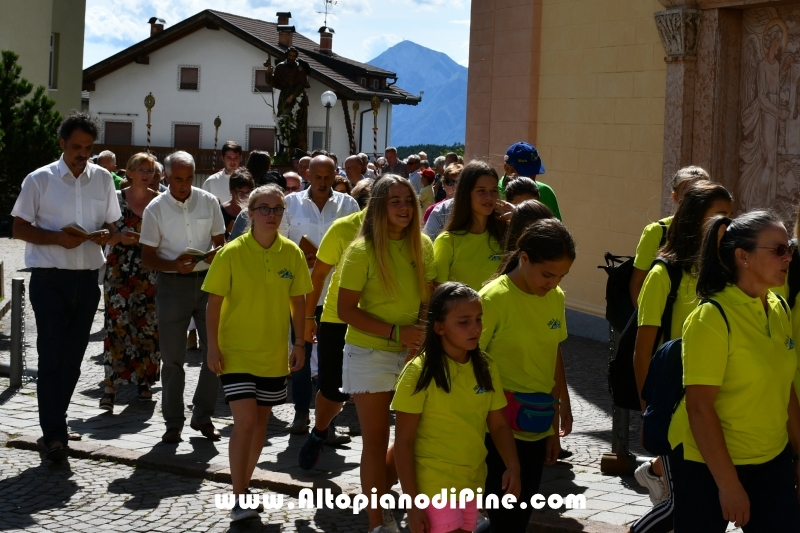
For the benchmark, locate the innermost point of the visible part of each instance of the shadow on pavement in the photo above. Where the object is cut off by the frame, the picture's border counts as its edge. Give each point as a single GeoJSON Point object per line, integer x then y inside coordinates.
{"type": "Point", "coordinates": [47, 486]}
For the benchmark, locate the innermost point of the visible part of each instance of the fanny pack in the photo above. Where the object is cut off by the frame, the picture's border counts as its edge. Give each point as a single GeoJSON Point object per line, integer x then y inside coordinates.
{"type": "Point", "coordinates": [530, 411]}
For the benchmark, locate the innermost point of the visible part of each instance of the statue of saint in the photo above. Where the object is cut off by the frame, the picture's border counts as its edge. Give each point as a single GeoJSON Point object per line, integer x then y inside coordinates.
{"type": "Point", "coordinates": [291, 78]}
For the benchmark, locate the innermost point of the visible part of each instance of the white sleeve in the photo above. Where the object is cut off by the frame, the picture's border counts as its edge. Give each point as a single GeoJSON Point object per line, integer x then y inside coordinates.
{"type": "Point", "coordinates": [151, 232]}
{"type": "Point", "coordinates": [27, 204]}
{"type": "Point", "coordinates": [217, 223]}
{"type": "Point", "coordinates": [283, 229]}
{"type": "Point", "coordinates": [113, 212]}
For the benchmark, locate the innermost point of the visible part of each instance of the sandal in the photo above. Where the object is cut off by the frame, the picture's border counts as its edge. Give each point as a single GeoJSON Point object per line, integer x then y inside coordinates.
{"type": "Point", "coordinates": [145, 394]}
{"type": "Point", "coordinates": [56, 451]}
{"type": "Point", "coordinates": [107, 401]}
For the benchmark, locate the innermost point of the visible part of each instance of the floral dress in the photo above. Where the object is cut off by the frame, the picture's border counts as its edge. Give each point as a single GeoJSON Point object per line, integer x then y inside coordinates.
{"type": "Point", "coordinates": [131, 353]}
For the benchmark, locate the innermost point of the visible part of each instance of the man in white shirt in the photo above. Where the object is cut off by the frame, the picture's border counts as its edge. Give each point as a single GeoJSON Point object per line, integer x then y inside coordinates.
{"type": "Point", "coordinates": [412, 165]}
{"type": "Point", "coordinates": [302, 169]}
{"type": "Point", "coordinates": [184, 217]}
{"type": "Point", "coordinates": [311, 212]}
{"type": "Point", "coordinates": [365, 170]}
{"type": "Point", "coordinates": [63, 287]}
{"type": "Point", "coordinates": [218, 184]}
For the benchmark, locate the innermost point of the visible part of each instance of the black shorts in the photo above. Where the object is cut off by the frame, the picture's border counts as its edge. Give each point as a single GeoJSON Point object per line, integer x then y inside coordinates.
{"type": "Point", "coordinates": [266, 391]}
{"type": "Point", "coordinates": [330, 355]}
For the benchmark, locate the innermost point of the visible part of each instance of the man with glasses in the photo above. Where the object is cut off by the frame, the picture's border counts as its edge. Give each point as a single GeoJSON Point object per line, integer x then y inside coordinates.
{"type": "Point", "coordinates": [219, 184]}
{"type": "Point", "coordinates": [293, 182]}
{"type": "Point", "coordinates": [309, 214]}
{"type": "Point", "coordinates": [182, 218]}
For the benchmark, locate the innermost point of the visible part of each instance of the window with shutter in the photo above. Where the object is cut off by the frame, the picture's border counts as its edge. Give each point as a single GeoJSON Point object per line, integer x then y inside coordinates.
{"type": "Point", "coordinates": [260, 84]}
{"type": "Point", "coordinates": [187, 136]}
{"type": "Point", "coordinates": [261, 139]}
{"type": "Point", "coordinates": [119, 133]}
{"type": "Point", "coordinates": [190, 77]}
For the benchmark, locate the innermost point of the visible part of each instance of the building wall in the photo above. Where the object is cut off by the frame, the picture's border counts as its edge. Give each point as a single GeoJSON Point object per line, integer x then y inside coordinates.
{"type": "Point", "coordinates": [68, 22]}
{"type": "Point", "coordinates": [25, 30]}
{"type": "Point", "coordinates": [225, 89]}
{"type": "Point", "coordinates": [594, 109]}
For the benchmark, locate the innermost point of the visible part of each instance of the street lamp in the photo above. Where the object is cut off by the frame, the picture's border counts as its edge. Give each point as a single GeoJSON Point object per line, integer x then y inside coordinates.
{"type": "Point", "coordinates": [386, 138]}
{"type": "Point", "coordinates": [328, 100]}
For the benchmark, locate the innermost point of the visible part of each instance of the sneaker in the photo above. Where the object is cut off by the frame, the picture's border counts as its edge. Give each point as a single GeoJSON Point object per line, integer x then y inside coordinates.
{"type": "Point", "coordinates": [651, 482]}
{"type": "Point", "coordinates": [335, 438]}
{"type": "Point", "coordinates": [299, 424]}
{"type": "Point", "coordinates": [389, 523]}
{"type": "Point", "coordinates": [260, 508]}
{"type": "Point", "coordinates": [380, 529]}
{"type": "Point", "coordinates": [237, 513]}
{"type": "Point", "coordinates": [311, 452]}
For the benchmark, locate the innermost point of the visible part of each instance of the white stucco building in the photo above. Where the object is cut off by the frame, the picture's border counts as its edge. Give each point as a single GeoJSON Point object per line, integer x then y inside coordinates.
{"type": "Point", "coordinates": [211, 65]}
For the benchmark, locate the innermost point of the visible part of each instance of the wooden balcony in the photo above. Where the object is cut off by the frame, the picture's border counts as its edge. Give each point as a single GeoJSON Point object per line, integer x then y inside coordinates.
{"type": "Point", "coordinates": [203, 159]}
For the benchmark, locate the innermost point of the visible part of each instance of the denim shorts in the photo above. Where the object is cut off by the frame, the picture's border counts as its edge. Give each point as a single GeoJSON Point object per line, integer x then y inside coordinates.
{"type": "Point", "coordinates": [370, 370]}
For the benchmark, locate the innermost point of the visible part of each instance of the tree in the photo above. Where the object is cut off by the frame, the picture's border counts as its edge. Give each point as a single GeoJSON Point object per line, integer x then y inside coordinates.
{"type": "Point", "coordinates": [433, 150]}
{"type": "Point", "coordinates": [28, 130]}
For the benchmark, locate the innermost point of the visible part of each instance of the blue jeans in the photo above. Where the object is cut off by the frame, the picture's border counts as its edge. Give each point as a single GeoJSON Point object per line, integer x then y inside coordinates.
{"type": "Point", "coordinates": [302, 388]}
{"type": "Point", "coordinates": [64, 303]}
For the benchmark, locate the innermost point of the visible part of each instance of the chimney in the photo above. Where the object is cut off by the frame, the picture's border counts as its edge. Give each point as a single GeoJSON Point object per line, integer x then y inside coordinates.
{"type": "Point", "coordinates": [285, 35]}
{"type": "Point", "coordinates": [283, 18]}
{"type": "Point", "coordinates": [326, 40]}
{"type": "Point", "coordinates": [156, 25]}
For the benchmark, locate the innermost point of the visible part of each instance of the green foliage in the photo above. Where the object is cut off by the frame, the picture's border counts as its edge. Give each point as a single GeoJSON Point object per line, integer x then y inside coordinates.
{"type": "Point", "coordinates": [28, 130]}
{"type": "Point", "coordinates": [433, 150]}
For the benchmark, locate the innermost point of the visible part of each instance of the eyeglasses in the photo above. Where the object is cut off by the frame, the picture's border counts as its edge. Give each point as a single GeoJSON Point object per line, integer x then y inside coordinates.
{"type": "Point", "coordinates": [450, 182]}
{"type": "Point", "coordinates": [144, 171]}
{"type": "Point", "coordinates": [265, 210]}
{"type": "Point", "coordinates": [781, 250]}
{"type": "Point", "coordinates": [242, 194]}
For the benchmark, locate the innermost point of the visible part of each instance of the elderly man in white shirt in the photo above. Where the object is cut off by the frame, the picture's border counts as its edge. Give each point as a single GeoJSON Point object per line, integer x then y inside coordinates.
{"type": "Point", "coordinates": [414, 176]}
{"type": "Point", "coordinates": [63, 289]}
{"type": "Point", "coordinates": [310, 213]}
{"type": "Point", "coordinates": [185, 217]}
{"type": "Point", "coordinates": [219, 184]}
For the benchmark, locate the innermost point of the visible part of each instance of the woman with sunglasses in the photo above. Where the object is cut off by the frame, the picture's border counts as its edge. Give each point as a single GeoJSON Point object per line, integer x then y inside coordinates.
{"type": "Point", "coordinates": [259, 278]}
{"type": "Point", "coordinates": [130, 348]}
{"type": "Point", "coordinates": [241, 185]}
{"type": "Point", "coordinates": [469, 250]}
{"type": "Point", "coordinates": [736, 433]}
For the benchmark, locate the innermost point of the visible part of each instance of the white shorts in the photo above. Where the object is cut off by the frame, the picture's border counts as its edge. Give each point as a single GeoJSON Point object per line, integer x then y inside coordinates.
{"type": "Point", "coordinates": [370, 370]}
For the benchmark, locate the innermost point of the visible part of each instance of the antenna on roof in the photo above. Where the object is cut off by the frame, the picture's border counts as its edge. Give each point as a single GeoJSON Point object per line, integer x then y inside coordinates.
{"type": "Point", "coordinates": [328, 5]}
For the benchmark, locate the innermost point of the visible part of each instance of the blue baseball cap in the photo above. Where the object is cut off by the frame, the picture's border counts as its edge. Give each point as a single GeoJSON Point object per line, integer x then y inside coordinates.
{"type": "Point", "coordinates": [525, 159]}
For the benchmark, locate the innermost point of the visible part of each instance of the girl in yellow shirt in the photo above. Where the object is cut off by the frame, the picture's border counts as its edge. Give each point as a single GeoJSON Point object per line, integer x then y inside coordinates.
{"type": "Point", "coordinates": [524, 324]}
{"type": "Point", "coordinates": [469, 248]}
{"type": "Point", "coordinates": [386, 278]}
{"type": "Point", "coordinates": [701, 201]}
{"type": "Point", "coordinates": [452, 388]}
{"type": "Point", "coordinates": [738, 427]}
{"type": "Point", "coordinates": [651, 236]}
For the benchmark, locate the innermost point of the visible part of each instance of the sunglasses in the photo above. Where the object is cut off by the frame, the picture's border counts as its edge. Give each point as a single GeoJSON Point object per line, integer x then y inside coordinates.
{"type": "Point", "coordinates": [265, 210]}
{"type": "Point", "coordinates": [782, 249]}
{"type": "Point", "coordinates": [450, 183]}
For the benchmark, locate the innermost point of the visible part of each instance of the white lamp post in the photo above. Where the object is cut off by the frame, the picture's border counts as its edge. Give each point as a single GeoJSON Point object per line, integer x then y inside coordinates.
{"type": "Point", "coordinates": [328, 100]}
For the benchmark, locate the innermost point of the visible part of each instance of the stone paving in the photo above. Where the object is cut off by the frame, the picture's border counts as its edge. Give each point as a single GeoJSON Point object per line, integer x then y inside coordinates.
{"type": "Point", "coordinates": [138, 426]}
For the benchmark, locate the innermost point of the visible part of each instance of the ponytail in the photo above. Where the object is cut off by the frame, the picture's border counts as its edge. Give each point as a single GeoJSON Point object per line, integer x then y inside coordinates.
{"type": "Point", "coordinates": [545, 240]}
{"type": "Point", "coordinates": [718, 268]}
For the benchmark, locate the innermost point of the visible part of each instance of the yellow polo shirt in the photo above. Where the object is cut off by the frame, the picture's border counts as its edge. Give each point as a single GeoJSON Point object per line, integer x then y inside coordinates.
{"type": "Point", "coordinates": [522, 332]}
{"type": "Point", "coordinates": [649, 243]}
{"type": "Point", "coordinates": [256, 285]}
{"type": "Point", "coordinates": [653, 299]}
{"type": "Point", "coordinates": [469, 258]}
{"type": "Point", "coordinates": [459, 414]}
{"type": "Point", "coordinates": [331, 250]}
{"type": "Point", "coordinates": [399, 306]}
{"type": "Point", "coordinates": [753, 366]}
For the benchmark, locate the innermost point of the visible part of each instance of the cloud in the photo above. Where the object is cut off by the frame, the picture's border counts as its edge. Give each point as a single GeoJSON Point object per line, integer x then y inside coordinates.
{"type": "Point", "coordinates": [375, 44]}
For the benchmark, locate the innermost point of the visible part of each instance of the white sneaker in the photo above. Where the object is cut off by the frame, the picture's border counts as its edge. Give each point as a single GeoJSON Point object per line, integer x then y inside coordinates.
{"type": "Point", "coordinates": [380, 529]}
{"type": "Point", "coordinates": [389, 523]}
{"type": "Point", "coordinates": [237, 513]}
{"type": "Point", "coordinates": [651, 482]}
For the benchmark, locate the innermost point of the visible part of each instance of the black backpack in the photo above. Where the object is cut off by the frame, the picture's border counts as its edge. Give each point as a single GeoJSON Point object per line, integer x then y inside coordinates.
{"type": "Point", "coordinates": [663, 391]}
{"type": "Point", "coordinates": [794, 276]}
{"type": "Point", "coordinates": [621, 376]}
{"type": "Point", "coordinates": [619, 268]}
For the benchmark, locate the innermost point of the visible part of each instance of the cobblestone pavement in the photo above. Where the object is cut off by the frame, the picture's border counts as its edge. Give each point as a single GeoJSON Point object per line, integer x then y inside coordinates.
{"type": "Point", "coordinates": [138, 425]}
{"type": "Point", "coordinates": [90, 495]}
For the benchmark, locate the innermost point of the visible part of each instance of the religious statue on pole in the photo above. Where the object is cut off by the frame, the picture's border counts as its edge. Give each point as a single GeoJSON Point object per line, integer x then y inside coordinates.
{"type": "Point", "coordinates": [290, 77]}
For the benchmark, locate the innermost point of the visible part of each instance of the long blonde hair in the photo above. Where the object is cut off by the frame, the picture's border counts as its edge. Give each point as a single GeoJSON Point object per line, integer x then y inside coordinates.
{"type": "Point", "coordinates": [375, 231]}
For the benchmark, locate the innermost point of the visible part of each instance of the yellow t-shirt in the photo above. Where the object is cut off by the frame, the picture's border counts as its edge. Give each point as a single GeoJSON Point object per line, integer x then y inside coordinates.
{"type": "Point", "coordinates": [331, 250]}
{"type": "Point", "coordinates": [426, 197]}
{"type": "Point", "coordinates": [399, 306]}
{"type": "Point", "coordinates": [462, 412]}
{"type": "Point", "coordinates": [653, 299]}
{"type": "Point", "coordinates": [753, 366]}
{"type": "Point", "coordinates": [469, 258]}
{"type": "Point", "coordinates": [522, 332]}
{"type": "Point", "coordinates": [784, 291]}
{"type": "Point", "coordinates": [256, 285]}
{"type": "Point", "coordinates": [649, 243]}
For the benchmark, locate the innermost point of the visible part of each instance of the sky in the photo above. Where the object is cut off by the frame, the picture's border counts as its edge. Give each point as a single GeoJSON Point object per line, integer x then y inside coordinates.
{"type": "Point", "coordinates": [363, 28]}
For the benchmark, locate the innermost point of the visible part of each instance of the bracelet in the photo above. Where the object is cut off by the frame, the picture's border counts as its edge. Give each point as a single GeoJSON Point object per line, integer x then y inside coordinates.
{"type": "Point", "coordinates": [311, 318]}
{"type": "Point", "coordinates": [391, 333]}
{"type": "Point", "coordinates": [299, 345]}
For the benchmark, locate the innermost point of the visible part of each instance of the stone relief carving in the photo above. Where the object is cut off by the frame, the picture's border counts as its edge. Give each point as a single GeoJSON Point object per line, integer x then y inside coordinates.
{"type": "Point", "coordinates": [678, 31]}
{"type": "Point", "coordinates": [769, 154]}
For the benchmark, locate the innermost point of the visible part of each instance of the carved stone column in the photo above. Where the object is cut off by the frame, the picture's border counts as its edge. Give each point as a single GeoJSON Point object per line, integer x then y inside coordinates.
{"type": "Point", "coordinates": [678, 29]}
